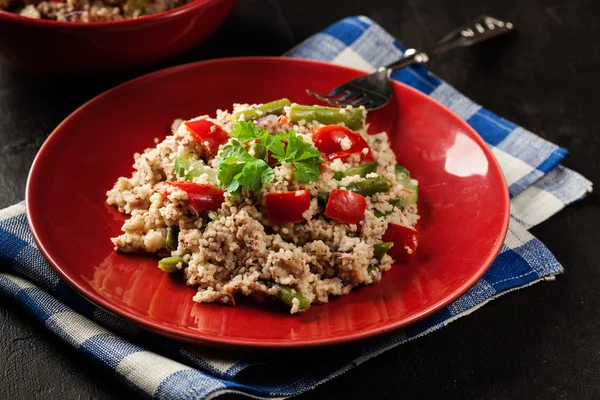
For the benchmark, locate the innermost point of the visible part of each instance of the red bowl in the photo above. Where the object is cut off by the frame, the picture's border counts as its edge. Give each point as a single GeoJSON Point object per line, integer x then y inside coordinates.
{"type": "Point", "coordinates": [463, 201]}
{"type": "Point", "coordinates": [75, 50]}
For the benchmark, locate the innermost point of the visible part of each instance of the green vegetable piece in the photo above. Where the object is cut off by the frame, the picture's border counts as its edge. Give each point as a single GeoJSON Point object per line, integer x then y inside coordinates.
{"type": "Point", "coordinates": [209, 217]}
{"type": "Point", "coordinates": [322, 199]}
{"type": "Point", "coordinates": [404, 179]}
{"type": "Point", "coordinates": [169, 264]}
{"type": "Point", "coordinates": [362, 171]}
{"type": "Point", "coordinates": [133, 5]}
{"type": "Point", "coordinates": [272, 108]}
{"type": "Point", "coordinates": [353, 119]}
{"type": "Point", "coordinates": [182, 164]}
{"type": "Point", "coordinates": [186, 167]}
{"type": "Point", "coordinates": [286, 295]}
{"type": "Point", "coordinates": [371, 268]}
{"type": "Point", "coordinates": [380, 214]}
{"type": "Point", "coordinates": [380, 249]}
{"type": "Point", "coordinates": [238, 169]}
{"type": "Point", "coordinates": [259, 150]}
{"type": "Point", "coordinates": [393, 202]}
{"type": "Point", "coordinates": [303, 156]}
{"type": "Point", "coordinates": [172, 237]}
{"type": "Point", "coordinates": [396, 202]}
{"type": "Point", "coordinates": [369, 187]}
{"type": "Point", "coordinates": [246, 131]}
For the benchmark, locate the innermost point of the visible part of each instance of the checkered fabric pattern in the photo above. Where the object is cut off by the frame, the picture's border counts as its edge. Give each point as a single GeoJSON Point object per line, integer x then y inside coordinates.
{"type": "Point", "coordinates": [158, 367]}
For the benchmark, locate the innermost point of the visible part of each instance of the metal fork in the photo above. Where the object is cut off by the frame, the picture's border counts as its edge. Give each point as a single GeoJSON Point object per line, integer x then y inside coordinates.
{"type": "Point", "coordinates": [373, 91]}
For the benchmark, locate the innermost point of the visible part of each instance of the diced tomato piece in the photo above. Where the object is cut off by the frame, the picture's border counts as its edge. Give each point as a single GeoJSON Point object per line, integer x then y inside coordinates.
{"type": "Point", "coordinates": [405, 242]}
{"type": "Point", "coordinates": [346, 206]}
{"type": "Point", "coordinates": [286, 207]}
{"type": "Point", "coordinates": [208, 134]}
{"type": "Point", "coordinates": [283, 120]}
{"type": "Point", "coordinates": [202, 197]}
{"type": "Point", "coordinates": [328, 139]}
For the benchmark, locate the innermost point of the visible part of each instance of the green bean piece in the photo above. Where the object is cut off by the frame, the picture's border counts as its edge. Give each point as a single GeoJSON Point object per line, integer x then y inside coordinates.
{"type": "Point", "coordinates": [133, 5]}
{"type": "Point", "coordinates": [380, 214]}
{"type": "Point", "coordinates": [272, 108]}
{"type": "Point", "coordinates": [322, 199]}
{"type": "Point", "coordinates": [371, 268]}
{"type": "Point", "coordinates": [402, 172]}
{"type": "Point", "coordinates": [396, 202]}
{"type": "Point", "coordinates": [287, 295]}
{"type": "Point", "coordinates": [380, 249]}
{"type": "Point", "coordinates": [352, 118]}
{"type": "Point", "coordinates": [186, 167]}
{"type": "Point", "coordinates": [169, 264]}
{"type": "Point", "coordinates": [172, 237]}
{"type": "Point", "coordinates": [369, 187]}
{"type": "Point", "coordinates": [362, 171]}
{"type": "Point", "coordinates": [404, 179]}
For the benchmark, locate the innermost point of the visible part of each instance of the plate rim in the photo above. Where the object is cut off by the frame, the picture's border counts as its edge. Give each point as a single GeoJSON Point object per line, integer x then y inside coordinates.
{"type": "Point", "coordinates": [245, 343]}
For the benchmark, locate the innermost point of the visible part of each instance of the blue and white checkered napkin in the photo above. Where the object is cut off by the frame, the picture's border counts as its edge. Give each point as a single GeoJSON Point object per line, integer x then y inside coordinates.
{"type": "Point", "coordinates": [538, 185]}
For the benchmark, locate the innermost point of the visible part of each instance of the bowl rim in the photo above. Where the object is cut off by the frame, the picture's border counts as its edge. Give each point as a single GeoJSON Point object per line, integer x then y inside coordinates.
{"type": "Point", "coordinates": [238, 343]}
{"type": "Point", "coordinates": [11, 16]}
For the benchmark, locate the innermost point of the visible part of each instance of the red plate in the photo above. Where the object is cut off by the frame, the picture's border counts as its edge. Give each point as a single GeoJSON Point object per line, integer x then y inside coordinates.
{"type": "Point", "coordinates": [463, 203]}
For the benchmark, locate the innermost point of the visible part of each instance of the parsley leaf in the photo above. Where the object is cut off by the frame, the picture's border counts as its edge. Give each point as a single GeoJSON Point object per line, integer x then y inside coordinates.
{"type": "Point", "coordinates": [238, 169]}
{"type": "Point", "coordinates": [276, 146]}
{"type": "Point", "coordinates": [234, 152]}
{"type": "Point", "coordinates": [255, 173]}
{"type": "Point", "coordinates": [307, 170]}
{"type": "Point", "coordinates": [247, 131]}
{"type": "Point", "coordinates": [303, 156]}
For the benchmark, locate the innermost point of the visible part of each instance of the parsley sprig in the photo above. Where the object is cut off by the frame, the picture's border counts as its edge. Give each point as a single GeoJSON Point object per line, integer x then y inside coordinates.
{"type": "Point", "coordinates": [303, 156]}
{"type": "Point", "coordinates": [239, 169]}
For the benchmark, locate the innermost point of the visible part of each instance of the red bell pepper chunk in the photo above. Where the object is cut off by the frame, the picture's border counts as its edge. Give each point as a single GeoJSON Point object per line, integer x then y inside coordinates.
{"type": "Point", "coordinates": [202, 197]}
{"type": "Point", "coordinates": [405, 242]}
{"type": "Point", "coordinates": [346, 206]}
{"type": "Point", "coordinates": [286, 207]}
{"type": "Point", "coordinates": [328, 139]}
{"type": "Point", "coordinates": [208, 134]}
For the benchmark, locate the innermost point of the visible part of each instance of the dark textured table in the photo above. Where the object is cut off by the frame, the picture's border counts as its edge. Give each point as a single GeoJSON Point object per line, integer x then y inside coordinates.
{"type": "Point", "coordinates": [542, 342]}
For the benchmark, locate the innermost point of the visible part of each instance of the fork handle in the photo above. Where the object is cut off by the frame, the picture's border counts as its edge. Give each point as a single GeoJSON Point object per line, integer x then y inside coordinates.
{"type": "Point", "coordinates": [480, 29]}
